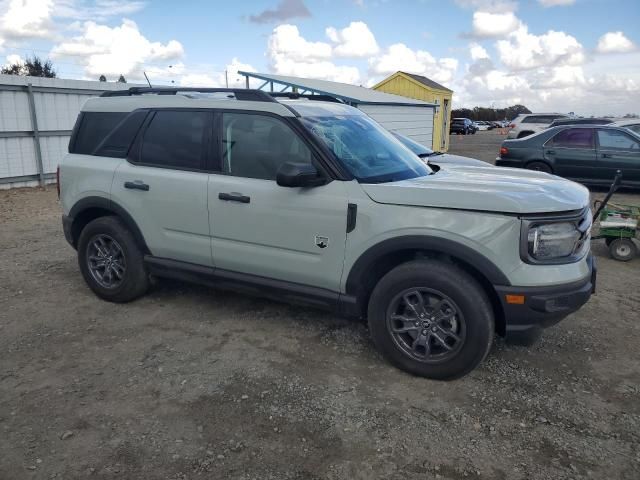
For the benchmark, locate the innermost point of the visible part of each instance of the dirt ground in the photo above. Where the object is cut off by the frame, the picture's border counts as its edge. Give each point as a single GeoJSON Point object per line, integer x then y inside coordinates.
{"type": "Point", "coordinates": [190, 382]}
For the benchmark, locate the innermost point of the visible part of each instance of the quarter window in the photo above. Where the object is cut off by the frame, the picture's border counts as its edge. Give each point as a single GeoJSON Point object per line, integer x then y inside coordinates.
{"type": "Point", "coordinates": [254, 146]}
{"type": "Point", "coordinates": [615, 140]}
{"type": "Point", "coordinates": [93, 129]}
{"type": "Point", "coordinates": [175, 140]}
{"type": "Point", "coordinates": [574, 138]}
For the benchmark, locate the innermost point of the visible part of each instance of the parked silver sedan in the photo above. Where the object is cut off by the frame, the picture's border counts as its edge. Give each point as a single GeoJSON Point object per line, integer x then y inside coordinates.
{"type": "Point", "coordinates": [438, 157]}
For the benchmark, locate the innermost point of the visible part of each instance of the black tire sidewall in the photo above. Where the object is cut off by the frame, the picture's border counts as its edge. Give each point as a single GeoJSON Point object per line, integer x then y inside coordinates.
{"type": "Point", "coordinates": [614, 245]}
{"type": "Point", "coordinates": [452, 282]}
{"type": "Point", "coordinates": [136, 278]}
{"type": "Point", "coordinates": [544, 167]}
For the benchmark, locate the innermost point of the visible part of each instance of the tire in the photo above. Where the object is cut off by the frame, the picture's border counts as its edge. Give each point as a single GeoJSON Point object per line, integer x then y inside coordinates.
{"type": "Point", "coordinates": [623, 249]}
{"type": "Point", "coordinates": [473, 132]}
{"type": "Point", "coordinates": [118, 246]}
{"type": "Point", "coordinates": [539, 167]}
{"type": "Point", "coordinates": [464, 309]}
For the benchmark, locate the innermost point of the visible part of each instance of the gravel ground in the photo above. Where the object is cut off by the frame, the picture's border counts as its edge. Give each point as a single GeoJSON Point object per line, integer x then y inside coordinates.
{"type": "Point", "coordinates": [190, 382]}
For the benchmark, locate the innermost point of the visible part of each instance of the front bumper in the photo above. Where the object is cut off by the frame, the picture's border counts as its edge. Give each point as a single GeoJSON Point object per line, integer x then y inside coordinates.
{"type": "Point", "coordinates": [544, 306]}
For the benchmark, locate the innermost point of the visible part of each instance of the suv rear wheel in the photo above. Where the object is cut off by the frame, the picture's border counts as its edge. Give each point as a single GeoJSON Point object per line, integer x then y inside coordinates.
{"type": "Point", "coordinates": [111, 261]}
{"type": "Point", "coordinates": [432, 319]}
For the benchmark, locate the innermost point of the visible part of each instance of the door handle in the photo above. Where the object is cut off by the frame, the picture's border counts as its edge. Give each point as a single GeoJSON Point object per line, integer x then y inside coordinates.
{"type": "Point", "coordinates": [234, 197]}
{"type": "Point", "coordinates": [551, 152]}
{"type": "Point", "coordinates": [137, 185]}
{"type": "Point", "coordinates": [606, 155]}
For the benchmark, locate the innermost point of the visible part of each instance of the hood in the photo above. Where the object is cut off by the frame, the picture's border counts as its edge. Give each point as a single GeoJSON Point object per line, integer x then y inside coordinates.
{"type": "Point", "coordinates": [496, 189]}
{"type": "Point", "coordinates": [449, 158]}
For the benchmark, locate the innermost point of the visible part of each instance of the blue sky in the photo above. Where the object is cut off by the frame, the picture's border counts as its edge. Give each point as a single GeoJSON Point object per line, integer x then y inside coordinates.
{"type": "Point", "coordinates": [557, 55]}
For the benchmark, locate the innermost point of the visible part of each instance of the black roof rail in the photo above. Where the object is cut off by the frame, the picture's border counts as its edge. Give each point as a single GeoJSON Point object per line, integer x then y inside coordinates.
{"type": "Point", "coordinates": [295, 96]}
{"type": "Point", "coordinates": [238, 93]}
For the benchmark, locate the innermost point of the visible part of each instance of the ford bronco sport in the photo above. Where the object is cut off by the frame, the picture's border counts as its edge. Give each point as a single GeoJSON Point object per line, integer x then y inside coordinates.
{"type": "Point", "coordinates": [313, 202]}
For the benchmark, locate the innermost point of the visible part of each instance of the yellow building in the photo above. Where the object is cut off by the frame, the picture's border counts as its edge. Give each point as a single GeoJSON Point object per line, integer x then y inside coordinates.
{"type": "Point", "coordinates": [422, 88]}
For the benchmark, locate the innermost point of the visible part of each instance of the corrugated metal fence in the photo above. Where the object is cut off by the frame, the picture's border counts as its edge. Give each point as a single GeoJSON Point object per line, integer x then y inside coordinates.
{"type": "Point", "coordinates": [36, 118]}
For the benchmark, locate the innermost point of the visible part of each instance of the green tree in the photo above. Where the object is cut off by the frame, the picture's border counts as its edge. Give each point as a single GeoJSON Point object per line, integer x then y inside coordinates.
{"type": "Point", "coordinates": [122, 79]}
{"type": "Point", "coordinates": [32, 67]}
{"type": "Point", "coordinates": [102, 78]}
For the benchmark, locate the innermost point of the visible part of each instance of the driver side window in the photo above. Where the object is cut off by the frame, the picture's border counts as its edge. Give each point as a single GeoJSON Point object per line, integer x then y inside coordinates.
{"type": "Point", "coordinates": [255, 146]}
{"type": "Point", "coordinates": [615, 140]}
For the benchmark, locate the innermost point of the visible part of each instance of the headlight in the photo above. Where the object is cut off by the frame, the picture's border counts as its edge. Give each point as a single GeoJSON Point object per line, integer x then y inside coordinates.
{"type": "Point", "coordinates": [557, 241]}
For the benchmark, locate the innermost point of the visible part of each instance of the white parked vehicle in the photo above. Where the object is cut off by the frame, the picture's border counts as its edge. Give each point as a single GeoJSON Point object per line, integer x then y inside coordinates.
{"type": "Point", "coordinates": [527, 124]}
{"type": "Point", "coordinates": [632, 124]}
{"type": "Point", "coordinates": [482, 125]}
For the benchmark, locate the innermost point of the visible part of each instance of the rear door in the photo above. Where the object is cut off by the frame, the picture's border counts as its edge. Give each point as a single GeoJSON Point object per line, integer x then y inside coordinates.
{"type": "Point", "coordinates": [618, 150]}
{"type": "Point", "coordinates": [163, 185]}
{"type": "Point", "coordinates": [572, 154]}
{"type": "Point", "coordinates": [261, 229]}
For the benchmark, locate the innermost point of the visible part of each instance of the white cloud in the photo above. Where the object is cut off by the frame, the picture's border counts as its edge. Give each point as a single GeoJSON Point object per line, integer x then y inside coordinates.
{"type": "Point", "coordinates": [493, 6]}
{"type": "Point", "coordinates": [487, 24]}
{"type": "Point", "coordinates": [555, 3]}
{"type": "Point", "coordinates": [615, 42]}
{"type": "Point", "coordinates": [477, 52]}
{"type": "Point", "coordinates": [27, 19]}
{"type": "Point", "coordinates": [291, 54]}
{"type": "Point", "coordinates": [356, 40]}
{"type": "Point", "coordinates": [119, 50]}
{"type": "Point", "coordinates": [286, 42]}
{"type": "Point", "coordinates": [523, 50]}
{"type": "Point", "coordinates": [400, 57]}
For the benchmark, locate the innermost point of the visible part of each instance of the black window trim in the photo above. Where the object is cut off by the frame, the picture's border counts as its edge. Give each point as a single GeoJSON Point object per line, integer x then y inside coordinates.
{"type": "Point", "coordinates": [134, 154]}
{"type": "Point", "coordinates": [549, 142]}
{"type": "Point", "coordinates": [618, 150]}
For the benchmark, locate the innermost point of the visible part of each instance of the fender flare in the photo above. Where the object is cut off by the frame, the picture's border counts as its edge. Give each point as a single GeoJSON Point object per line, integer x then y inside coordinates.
{"type": "Point", "coordinates": [103, 203]}
{"type": "Point", "coordinates": [423, 242]}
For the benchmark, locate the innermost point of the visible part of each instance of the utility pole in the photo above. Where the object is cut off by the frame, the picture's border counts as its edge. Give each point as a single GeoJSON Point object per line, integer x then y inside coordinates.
{"type": "Point", "coordinates": [226, 77]}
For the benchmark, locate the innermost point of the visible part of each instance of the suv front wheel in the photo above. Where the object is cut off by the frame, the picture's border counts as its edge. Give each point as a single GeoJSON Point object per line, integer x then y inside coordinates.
{"type": "Point", "coordinates": [432, 319]}
{"type": "Point", "coordinates": [110, 260]}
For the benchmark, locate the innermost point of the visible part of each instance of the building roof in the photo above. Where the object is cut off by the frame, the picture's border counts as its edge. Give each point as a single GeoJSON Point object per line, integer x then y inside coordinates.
{"type": "Point", "coordinates": [348, 93]}
{"type": "Point", "coordinates": [427, 81]}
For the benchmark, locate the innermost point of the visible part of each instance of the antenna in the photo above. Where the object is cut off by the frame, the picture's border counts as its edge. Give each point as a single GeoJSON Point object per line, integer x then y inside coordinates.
{"type": "Point", "coordinates": [145, 76]}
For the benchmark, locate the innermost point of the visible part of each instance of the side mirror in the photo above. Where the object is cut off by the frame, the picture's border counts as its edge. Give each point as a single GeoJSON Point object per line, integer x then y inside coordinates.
{"type": "Point", "coordinates": [293, 174]}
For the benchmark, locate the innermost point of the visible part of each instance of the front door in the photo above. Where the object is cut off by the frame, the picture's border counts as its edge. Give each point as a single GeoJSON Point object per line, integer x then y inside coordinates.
{"type": "Point", "coordinates": [572, 154]}
{"type": "Point", "coordinates": [259, 228]}
{"type": "Point", "coordinates": [618, 151]}
{"type": "Point", "coordinates": [163, 186]}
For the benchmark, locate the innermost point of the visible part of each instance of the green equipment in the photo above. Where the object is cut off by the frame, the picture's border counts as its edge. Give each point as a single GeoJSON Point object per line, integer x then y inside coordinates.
{"type": "Point", "coordinates": [618, 225]}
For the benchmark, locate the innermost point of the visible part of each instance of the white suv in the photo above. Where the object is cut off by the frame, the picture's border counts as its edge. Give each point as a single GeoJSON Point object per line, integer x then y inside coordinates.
{"type": "Point", "coordinates": [313, 202]}
{"type": "Point", "coordinates": [526, 124]}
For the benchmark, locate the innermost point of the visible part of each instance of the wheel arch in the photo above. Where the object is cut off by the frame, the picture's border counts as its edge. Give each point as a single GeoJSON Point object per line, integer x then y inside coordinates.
{"type": "Point", "coordinates": [381, 258]}
{"type": "Point", "coordinates": [90, 208]}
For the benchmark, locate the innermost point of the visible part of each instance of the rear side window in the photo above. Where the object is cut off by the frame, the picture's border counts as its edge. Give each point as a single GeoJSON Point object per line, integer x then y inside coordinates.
{"type": "Point", "coordinates": [544, 119]}
{"type": "Point", "coordinates": [176, 139]}
{"type": "Point", "coordinates": [93, 129]}
{"type": "Point", "coordinates": [574, 138]}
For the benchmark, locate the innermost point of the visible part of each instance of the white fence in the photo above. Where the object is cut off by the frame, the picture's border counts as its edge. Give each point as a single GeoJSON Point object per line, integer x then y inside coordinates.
{"type": "Point", "coordinates": [36, 118]}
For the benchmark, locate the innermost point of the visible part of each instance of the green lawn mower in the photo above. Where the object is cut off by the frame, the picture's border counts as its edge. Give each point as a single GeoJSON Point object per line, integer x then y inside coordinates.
{"type": "Point", "coordinates": [618, 224]}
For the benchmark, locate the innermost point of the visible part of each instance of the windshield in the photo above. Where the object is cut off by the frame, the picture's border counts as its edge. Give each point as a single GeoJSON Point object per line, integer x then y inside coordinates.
{"type": "Point", "coordinates": [368, 151]}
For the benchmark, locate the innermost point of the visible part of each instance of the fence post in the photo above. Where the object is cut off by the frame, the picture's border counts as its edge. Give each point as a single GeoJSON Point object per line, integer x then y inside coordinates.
{"type": "Point", "coordinates": [36, 133]}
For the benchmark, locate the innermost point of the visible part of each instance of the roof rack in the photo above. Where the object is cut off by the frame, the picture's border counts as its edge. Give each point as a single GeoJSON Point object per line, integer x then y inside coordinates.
{"type": "Point", "coordinates": [295, 96]}
{"type": "Point", "coordinates": [238, 93]}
